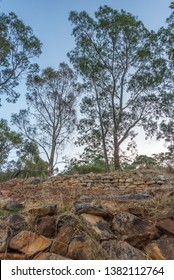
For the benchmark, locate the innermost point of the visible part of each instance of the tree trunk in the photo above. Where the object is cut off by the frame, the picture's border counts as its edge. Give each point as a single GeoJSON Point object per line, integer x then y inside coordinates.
{"type": "Point", "coordinates": [116, 154]}
{"type": "Point", "coordinates": [51, 159]}
{"type": "Point", "coordinates": [50, 168]}
{"type": "Point", "coordinates": [107, 168]}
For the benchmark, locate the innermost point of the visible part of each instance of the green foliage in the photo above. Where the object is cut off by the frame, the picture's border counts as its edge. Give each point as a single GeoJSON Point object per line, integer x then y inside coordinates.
{"type": "Point", "coordinates": [18, 46]}
{"type": "Point", "coordinates": [128, 166]}
{"type": "Point", "coordinates": [122, 65]}
{"type": "Point", "coordinates": [8, 140]}
{"type": "Point", "coordinates": [165, 112]}
{"type": "Point", "coordinates": [170, 20]}
{"type": "Point", "coordinates": [29, 163]}
{"type": "Point", "coordinates": [81, 167]}
{"type": "Point", "coordinates": [165, 108]}
{"type": "Point", "coordinates": [50, 118]}
{"type": "Point", "coordinates": [172, 5]}
{"type": "Point", "coordinates": [144, 161]}
{"type": "Point", "coordinates": [3, 214]}
{"type": "Point", "coordinates": [163, 159]}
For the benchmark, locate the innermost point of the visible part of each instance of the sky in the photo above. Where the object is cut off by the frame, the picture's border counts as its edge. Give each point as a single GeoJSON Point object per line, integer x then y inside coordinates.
{"type": "Point", "coordinates": [49, 21]}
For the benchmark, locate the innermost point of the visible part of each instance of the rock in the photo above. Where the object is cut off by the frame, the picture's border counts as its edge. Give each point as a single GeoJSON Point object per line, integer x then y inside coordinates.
{"type": "Point", "coordinates": [129, 180]}
{"type": "Point", "coordinates": [109, 207]}
{"type": "Point", "coordinates": [166, 226]}
{"type": "Point", "coordinates": [16, 222]}
{"type": "Point", "coordinates": [108, 249]}
{"type": "Point", "coordinates": [87, 197]}
{"type": "Point", "coordinates": [35, 180]}
{"type": "Point", "coordinates": [4, 238]}
{"type": "Point", "coordinates": [29, 243]}
{"type": "Point", "coordinates": [121, 250]}
{"type": "Point", "coordinates": [120, 198]}
{"type": "Point", "coordinates": [66, 219]}
{"type": "Point", "coordinates": [11, 205]}
{"type": "Point", "coordinates": [155, 185]}
{"type": "Point", "coordinates": [161, 249]}
{"type": "Point", "coordinates": [138, 183]}
{"type": "Point", "coordinates": [62, 240]}
{"type": "Point", "coordinates": [44, 211]}
{"type": "Point", "coordinates": [150, 182]}
{"type": "Point", "coordinates": [97, 227]}
{"type": "Point", "coordinates": [90, 208]}
{"type": "Point", "coordinates": [82, 247]}
{"type": "Point", "coordinates": [125, 251]}
{"type": "Point", "coordinates": [132, 197]}
{"type": "Point", "coordinates": [138, 211]}
{"type": "Point", "coordinates": [121, 180]}
{"type": "Point", "coordinates": [108, 177]}
{"type": "Point", "coordinates": [49, 256]}
{"type": "Point", "coordinates": [46, 226]}
{"type": "Point", "coordinates": [66, 227]}
{"type": "Point", "coordinates": [161, 177]}
{"type": "Point", "coordinates": [5, 193]}
{"type": "Point", "coordinates": [133, 229]}
{"type": "Point", "coordinates": [12, 256]}
{"type": "Point", "coordinates": [102, 226]}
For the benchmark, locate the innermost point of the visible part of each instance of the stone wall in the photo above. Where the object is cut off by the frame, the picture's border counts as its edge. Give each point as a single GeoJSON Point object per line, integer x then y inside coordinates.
{"type": "Point", "coordinates": [124, 215]}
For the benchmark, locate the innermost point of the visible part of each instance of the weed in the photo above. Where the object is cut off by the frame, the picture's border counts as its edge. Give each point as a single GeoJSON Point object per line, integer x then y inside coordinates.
{"type": "Point", "coordinates": [65, 208]}
{"type": "Point", "coordinates": [3, 214]}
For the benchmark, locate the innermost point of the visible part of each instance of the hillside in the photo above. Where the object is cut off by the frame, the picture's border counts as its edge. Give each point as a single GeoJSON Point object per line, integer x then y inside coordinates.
{"type": "Point", "coordinates": [122, 215]}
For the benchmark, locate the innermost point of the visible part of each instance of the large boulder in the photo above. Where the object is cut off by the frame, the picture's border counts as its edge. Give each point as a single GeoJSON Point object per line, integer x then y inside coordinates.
{"type": "Point", "coordinates": [161, 249]}
{"type": "Point", "coordinates": [121, 250]}
{"type": "Point", "coordinates": [4, 238]}
{"type": "Point", "coordinates": [49, 256]}
{"type": "Point", "coordinates": [90, 208]}
{"type": "Point", "coordinates": [63, 239]}
{"type": "Point", "coordinates": [12, 256]}
{"type": "Point", "coordinates": [66, 227]}
{"type": "Point", "coordinates": [46, 226]}
{"type": "Point", "coordinates": [166, 226]}
{"type": "Point", "coordinates": [133, 229]}
{"type": "Point", "coordinates": [29, 243]}
{"type": "Point", "coordinates": [97, 227]}
{"type": "Point", "coordinates": [44, 210]}
{"type": "Point", "coordinates": [16, 222]}
{"type": "Point", "coordinates": [82, 247]}
{"type": "Point", "coordinates": [11, 205]}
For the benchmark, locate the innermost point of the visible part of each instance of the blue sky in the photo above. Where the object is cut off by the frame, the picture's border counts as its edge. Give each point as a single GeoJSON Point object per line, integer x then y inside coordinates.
{"type": "Point", "coordinates": [49, 21]}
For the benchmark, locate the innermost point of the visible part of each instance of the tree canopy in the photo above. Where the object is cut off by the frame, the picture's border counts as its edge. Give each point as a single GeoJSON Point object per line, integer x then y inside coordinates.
{"type": "Point", "coordinates": [121, 65]}
{"type": "Point", "coordinates": [18, 46]}
{"type": "Point", "coordinates": [51, 113]}
{"type": "Point", "coordinates": [8, 140]}
{"type": "Point", "coordinates": [126, 73]}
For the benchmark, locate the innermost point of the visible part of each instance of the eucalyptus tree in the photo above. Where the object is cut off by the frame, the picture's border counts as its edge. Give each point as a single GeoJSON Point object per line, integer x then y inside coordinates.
{"type": "Point", "coordinates": [171, 25]}
{"type": "Point", "coordinates": [9, 140]}
{"type": "Point", "coordinates": [29, 163]}
{"type": "Point", "coordinates": [51, 114]}
{"type": "Point", "coordinates": [119, 61]}
{"type": "Point", "coordinates": [94, 128]}
{"type": "Point", "coordinates": [165, 106]}
{"type": "Point", "coordinates": [18, 46]}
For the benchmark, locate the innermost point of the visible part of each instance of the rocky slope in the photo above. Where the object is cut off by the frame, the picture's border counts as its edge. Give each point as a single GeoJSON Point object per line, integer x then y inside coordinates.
{"type": "Point", "coordinates": [122, 215]}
